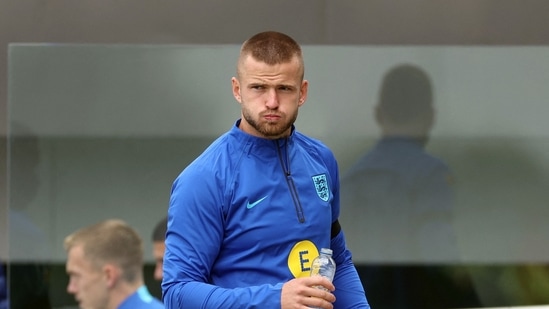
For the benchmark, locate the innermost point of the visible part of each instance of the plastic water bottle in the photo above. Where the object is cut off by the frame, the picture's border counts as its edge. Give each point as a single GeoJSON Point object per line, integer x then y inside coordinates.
{"type": "Point", "coordinates": [324, 265]}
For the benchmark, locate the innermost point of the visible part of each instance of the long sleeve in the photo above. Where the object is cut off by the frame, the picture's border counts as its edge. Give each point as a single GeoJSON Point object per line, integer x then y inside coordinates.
{"type": "Point", "coordinates": [240, 226]}
{"type": "Point", "coordinates": [195, 232]}
{"type": "Point", "coordinates": [349, 291]}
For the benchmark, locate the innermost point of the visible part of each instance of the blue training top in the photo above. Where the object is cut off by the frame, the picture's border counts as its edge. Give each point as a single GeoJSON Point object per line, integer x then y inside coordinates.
{"type": "Point", "coordinates": [248, 215]}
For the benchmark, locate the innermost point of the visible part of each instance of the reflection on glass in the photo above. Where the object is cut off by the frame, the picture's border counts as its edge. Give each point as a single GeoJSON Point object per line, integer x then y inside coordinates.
{"type": "Point", "coordinates": [29, 278]}
{"type": "Point", "coordinates": [397, 199]}
{"type": "Point", "coordinates": [402, 194]}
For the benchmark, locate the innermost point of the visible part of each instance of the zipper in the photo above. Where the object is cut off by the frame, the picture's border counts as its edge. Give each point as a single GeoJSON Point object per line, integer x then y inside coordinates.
{"type": "Point", "coordinates": [290, 181]}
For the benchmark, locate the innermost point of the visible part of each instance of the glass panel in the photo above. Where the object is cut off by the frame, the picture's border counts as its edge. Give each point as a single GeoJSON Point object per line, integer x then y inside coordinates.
{"type": "Point", "coordinates": [101, 131]}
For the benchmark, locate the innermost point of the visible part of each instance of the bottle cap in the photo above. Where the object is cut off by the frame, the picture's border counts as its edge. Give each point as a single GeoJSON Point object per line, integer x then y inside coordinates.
{"type": "Point", "coordinates": [326, 251]}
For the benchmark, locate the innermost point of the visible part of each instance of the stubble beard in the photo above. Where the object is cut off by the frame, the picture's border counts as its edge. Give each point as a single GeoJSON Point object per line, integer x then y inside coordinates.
{"type": "Point", "coordinates": [270, 130]}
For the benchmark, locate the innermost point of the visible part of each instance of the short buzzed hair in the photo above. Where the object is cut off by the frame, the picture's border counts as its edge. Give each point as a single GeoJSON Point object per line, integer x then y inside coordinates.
{"type": "Point", "coordinates": [272, 48]}
{"type": "Point", "coordinates": [159, 232]}
{"type": "Point", "coordinates": [110, 241]}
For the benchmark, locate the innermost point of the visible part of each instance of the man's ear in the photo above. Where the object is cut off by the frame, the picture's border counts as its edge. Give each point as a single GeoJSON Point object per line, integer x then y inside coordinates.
{"type": "Point", "coordinates": [303, 92]}
{"type": "Point", "coordinates": [111, 274]}
{"type": "Point", "coordinates": [236, 89]}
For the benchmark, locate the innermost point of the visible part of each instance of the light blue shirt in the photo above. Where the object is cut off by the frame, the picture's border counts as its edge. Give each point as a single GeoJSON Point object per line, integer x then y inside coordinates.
{"type": "Point", "coordinates": [141, 299]}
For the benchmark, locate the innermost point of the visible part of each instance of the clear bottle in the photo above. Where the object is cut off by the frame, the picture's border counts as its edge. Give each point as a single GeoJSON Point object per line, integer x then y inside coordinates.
{"type": "Point", "coordinates": [324, 265]}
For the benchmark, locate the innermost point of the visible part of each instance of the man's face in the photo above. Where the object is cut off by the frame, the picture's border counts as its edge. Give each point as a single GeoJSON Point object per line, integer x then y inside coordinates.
{"type": "Point", "coordinates": [270, 96]}
{"type": "Point", "coordinates": [158, 253]}
{"type": "Point", "coordinates": [86, 282]}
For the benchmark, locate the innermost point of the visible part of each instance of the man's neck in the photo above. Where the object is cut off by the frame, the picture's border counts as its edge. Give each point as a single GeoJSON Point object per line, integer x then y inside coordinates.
{"type": "Point", "coordinates": [122, 291]}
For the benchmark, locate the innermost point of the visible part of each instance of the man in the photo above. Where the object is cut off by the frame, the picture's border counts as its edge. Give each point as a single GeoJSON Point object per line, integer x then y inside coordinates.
{"type": "Point", "coordinates": [249, 215]}
{"type": "Point", "coordinates": [158, 238]}
{"type": "Point", "coordinates": [403, 193]}
{"type": "Point", "coordinates": [398, 199]}
{"type": "Point", "coordinates": [105, 267]}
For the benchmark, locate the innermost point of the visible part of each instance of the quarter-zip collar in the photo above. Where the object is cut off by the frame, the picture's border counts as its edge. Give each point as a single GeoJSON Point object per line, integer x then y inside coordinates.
{"type": "Point", "coordinates": [251, 141]}
{"type": "Point", "coordinates": [280, 149]}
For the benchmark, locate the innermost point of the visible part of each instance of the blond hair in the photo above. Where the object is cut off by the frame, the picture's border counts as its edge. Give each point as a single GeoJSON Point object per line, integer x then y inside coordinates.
{"type": "Point", "coordinates": [110, 241]}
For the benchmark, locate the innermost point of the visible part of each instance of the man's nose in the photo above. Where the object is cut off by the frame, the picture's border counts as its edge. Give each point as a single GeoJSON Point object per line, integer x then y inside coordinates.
{"type": "Point", "coordinates": [271, 100]}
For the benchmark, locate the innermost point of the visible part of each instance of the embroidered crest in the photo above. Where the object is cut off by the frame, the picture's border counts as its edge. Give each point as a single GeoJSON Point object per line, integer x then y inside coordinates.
{"type": "Point", "coordinates": [321, 186]}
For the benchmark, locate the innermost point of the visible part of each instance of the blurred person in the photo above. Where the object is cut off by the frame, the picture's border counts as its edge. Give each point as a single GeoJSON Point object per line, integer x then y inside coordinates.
{"type": "Point", "coordinates": [105, 267]}
{"type": "Point", "coordinates": [29, 272]}
{"type": "Point", "coordinates": [398, 199]}
{"type": "Point", "coordinates": [158, 239]}
{"type": "Point", "coordinates": [397, 183]}
{"type": "Point", "coordinates": [249, 215]}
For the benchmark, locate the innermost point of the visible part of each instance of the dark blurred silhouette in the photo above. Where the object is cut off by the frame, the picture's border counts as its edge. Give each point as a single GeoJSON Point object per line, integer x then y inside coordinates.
{"type": "Point", "coordinates": [28, 247]}
{"type": "Point", "coordinates": [403, 194]}
{"type": "Point", "coordinates": [397, 201]}
{"type": "Point", "coordinates": [159, 247]}
{"type": "Point", "coordinates": [3, 287]}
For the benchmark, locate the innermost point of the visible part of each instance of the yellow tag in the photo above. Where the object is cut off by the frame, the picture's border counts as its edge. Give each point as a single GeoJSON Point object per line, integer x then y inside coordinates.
{"type": "Point", "coordinates": [301, 257]}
